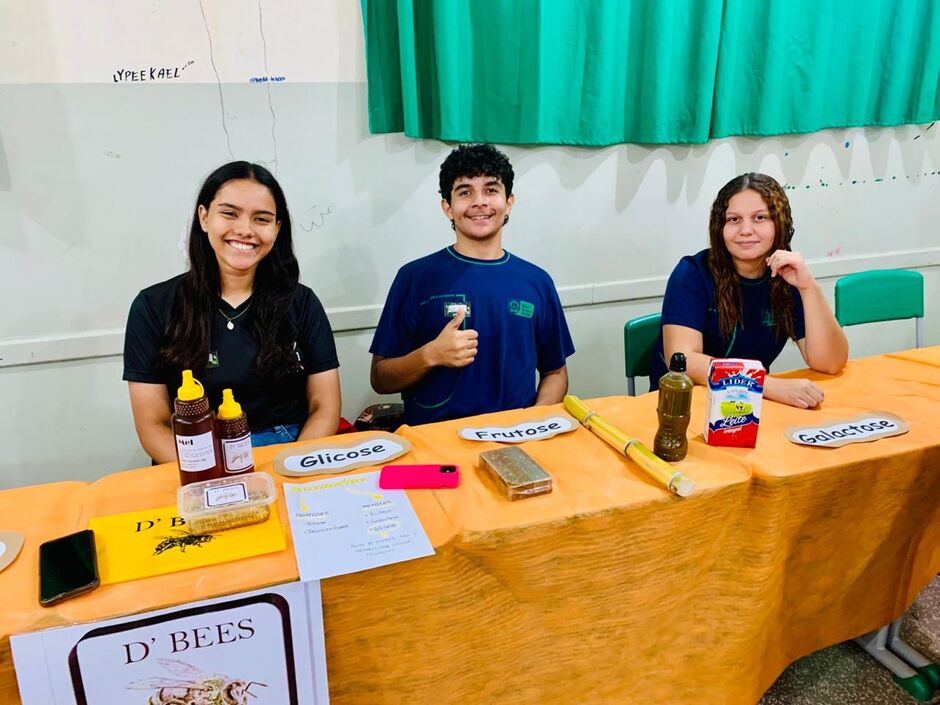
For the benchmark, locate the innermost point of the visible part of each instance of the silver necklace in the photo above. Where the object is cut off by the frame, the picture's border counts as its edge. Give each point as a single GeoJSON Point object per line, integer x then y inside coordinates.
{"type": "Point", "coordinates": [230, 325]}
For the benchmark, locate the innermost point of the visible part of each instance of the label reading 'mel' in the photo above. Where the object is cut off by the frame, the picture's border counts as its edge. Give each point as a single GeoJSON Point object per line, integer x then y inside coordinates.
{"type": "Point", "coordinates": [196, 453]}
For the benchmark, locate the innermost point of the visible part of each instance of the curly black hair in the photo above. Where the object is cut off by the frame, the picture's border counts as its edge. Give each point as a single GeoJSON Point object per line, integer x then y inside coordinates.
{"type": "Point", "coordinates": [475, 160]}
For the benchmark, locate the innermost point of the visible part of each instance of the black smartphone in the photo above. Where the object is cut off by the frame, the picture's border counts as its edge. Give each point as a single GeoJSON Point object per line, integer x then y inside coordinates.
{"type": "Point", "coordinates": [67, 567]}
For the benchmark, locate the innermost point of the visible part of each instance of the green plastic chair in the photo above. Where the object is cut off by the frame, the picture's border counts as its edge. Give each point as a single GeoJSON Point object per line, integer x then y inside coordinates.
{"type": "Point", "coordinates": [869, 297]}
{"type": "Point", "coordinates": [639, 337]}
{"type": "Point", "coordinates": [881, 295]}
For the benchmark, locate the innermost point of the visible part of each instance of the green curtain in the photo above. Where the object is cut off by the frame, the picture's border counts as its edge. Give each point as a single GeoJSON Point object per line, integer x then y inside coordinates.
{"type": "Point", "coordinates": [598, 72]}
{"type": "Point", "coordinates": [805, 65]}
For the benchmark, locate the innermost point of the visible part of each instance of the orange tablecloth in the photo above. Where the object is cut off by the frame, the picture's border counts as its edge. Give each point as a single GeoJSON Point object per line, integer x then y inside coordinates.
{"type": "Point", "coordinates": [841, 539]}
{"type": "Point", "coordinates": [928, 356]}
{"type": "Point", "coordinates": [609, 590]}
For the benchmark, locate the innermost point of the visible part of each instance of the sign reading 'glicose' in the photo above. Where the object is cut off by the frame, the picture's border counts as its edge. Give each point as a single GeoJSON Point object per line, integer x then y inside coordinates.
{"type": "Point", "coordinates": [333, 457]}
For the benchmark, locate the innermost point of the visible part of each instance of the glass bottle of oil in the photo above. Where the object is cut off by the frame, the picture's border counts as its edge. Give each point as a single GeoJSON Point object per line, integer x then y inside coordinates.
{"type": "Point", "coordinates": [197, 446]}
{"type": "Point", "coordinates": [234, 436]}
{"type": "Point", "coordinates": [675, 402]}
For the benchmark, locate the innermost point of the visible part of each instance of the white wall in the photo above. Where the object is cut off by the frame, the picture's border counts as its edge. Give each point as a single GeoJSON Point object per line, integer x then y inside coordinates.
{"type": "Point", "coordinates": [97, 180]}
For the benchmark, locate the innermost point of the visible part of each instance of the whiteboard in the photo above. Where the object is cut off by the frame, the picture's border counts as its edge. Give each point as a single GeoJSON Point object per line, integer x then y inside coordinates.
{"type": "Point", "coordinates": [111, 114]}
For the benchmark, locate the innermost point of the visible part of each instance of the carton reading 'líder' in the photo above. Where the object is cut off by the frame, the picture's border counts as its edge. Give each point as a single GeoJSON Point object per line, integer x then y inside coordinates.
{"type": "Point", "coordinates": [735, 390]}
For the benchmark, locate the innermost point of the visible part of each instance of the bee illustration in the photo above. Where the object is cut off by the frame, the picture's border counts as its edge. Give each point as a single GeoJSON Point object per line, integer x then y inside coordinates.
{"type": "Point", "coordinates": [193, 687]}
{"type": "Point", "coordinates": [181, 541]}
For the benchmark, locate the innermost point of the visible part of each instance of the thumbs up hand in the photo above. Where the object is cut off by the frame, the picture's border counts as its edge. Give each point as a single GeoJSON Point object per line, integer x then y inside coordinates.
{"type": "Point", "coordinates": [454, 347]}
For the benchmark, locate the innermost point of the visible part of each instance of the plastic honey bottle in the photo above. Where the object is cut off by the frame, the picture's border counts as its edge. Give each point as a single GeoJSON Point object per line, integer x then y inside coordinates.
{"type": "Point", "coordinates": [675, 401]}
{"type": "Point", "coordinates": [197, 447]}
{"type": "Point", "coordinates": [234, 436]}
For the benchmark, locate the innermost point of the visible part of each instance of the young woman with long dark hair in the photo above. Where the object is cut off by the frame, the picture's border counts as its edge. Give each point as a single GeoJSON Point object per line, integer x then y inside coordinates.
{"type": "Point", "coordinates": [747, 294]}
{"type": "Point", "coordinates": [238, 318]}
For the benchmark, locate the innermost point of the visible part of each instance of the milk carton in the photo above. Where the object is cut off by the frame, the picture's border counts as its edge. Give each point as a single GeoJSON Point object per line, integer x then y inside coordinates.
{"type": "Point", "coordinates": [735, 389]}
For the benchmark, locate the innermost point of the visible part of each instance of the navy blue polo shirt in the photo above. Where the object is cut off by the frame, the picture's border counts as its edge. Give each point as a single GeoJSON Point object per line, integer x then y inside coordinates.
{"type": "Point", "coordinates": [690, 301]}
{"type": "Point", "coordinates": [513, 306]}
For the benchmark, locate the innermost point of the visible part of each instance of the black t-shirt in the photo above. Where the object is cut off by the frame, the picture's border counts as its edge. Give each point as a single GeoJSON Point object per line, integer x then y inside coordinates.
{"type": "Point", "coordinates": [266, 402]}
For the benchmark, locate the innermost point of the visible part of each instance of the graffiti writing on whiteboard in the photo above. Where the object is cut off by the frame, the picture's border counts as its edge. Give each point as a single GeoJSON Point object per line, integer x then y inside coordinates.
{"type": "Point", "coordinates": [319, 219]}
{"type": "Point", "coordinates": [925, 129]}
{"type": "Point", "coordinates": [150, 73]}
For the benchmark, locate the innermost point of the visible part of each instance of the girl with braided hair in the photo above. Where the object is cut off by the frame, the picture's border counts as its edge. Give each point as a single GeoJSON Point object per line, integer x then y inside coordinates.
{"type": "Point", "coordinates": [747, 294]}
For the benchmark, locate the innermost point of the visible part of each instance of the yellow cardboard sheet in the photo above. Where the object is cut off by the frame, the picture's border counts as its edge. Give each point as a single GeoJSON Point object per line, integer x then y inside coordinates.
{"type": "Point", "coordinates": [156, 541]}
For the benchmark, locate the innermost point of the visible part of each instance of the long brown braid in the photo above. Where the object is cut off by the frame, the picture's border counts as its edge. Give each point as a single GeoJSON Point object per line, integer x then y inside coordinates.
{"type": "Point", "coordinates": [727, 286]}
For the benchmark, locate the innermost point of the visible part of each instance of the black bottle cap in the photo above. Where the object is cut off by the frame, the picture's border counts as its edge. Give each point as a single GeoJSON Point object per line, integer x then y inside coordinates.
{"type": "Point", "coordinates": [677, 362]}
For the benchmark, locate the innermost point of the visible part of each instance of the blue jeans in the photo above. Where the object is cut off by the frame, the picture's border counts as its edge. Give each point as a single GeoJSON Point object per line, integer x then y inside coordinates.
{"type": "Point", "coordinates": [275, 434]}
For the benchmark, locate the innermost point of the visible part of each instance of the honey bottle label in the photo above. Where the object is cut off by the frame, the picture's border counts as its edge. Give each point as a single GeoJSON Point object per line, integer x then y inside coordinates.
{"type": "Point", "coordinates": [196, 453]}
{"type": "Point", "coordinates": [236, 452]}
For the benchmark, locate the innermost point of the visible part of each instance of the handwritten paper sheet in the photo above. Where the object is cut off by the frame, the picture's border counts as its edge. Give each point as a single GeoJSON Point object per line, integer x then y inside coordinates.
{"type": "Point", "coordinates": [347, 524]}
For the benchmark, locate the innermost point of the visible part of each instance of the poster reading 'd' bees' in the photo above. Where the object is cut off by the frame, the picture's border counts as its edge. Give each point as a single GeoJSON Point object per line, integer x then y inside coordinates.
{"type": "Point", "coordinates": [245, 649]}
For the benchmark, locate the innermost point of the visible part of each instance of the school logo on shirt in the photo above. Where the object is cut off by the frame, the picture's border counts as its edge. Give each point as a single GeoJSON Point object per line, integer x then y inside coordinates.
{"type": "Point", "coordinates": [452, 308]}
{"type": "Point", "coordinates": [517, 307]}
{"type": "Point", "coordinates": [767, 317]}
{"type": "Point", "coordinates": [300, 361]}
{"type": "Point", "coordinates": [213, 359]}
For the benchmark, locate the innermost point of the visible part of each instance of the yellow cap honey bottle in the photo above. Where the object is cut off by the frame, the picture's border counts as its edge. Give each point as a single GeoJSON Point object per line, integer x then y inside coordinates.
{"type": "Point", "coordinates": [675, 401]}
{"type": "Point", "coordinates": [197, 447]}
{"type": "Point", "coordinates": [234, 436]}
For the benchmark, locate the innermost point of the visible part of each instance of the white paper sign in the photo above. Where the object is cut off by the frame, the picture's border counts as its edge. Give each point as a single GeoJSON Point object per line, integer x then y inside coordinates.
{"type": "Point", "coordinates": [858, 429]}
{"type": "Point", "coordinates": [330, 457]}
{"type": "Point", "coordinates": [347, 524]}
{"type": "Point", "coordinates": [264, 647]}
{"type": "Point", "coordinates": [532, 430]}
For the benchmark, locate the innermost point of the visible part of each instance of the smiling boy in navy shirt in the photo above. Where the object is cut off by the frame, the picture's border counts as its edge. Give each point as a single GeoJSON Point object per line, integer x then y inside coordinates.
{"type": "Point", "coordinates": [465, 329]}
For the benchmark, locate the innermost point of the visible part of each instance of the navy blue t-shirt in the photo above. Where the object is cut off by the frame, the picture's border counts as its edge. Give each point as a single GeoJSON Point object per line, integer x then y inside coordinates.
{"type": "Point", "coordinates": [690, 301]}
{"type": "Point", "coordinates": [513, 306]}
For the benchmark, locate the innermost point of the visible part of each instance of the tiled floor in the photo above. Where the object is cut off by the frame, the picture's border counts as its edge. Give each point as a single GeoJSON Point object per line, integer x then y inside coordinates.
{"type": "Point", "coordinates": [846, 675]}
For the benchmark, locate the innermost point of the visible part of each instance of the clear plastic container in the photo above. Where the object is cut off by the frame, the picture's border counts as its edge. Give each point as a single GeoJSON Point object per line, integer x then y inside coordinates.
{"type": "Point", "coordinates": [226, 502]}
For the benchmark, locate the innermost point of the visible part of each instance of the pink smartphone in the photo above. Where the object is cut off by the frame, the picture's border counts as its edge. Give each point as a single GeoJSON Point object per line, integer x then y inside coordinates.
{"type": "Point", "coordinates": [419, 477]}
